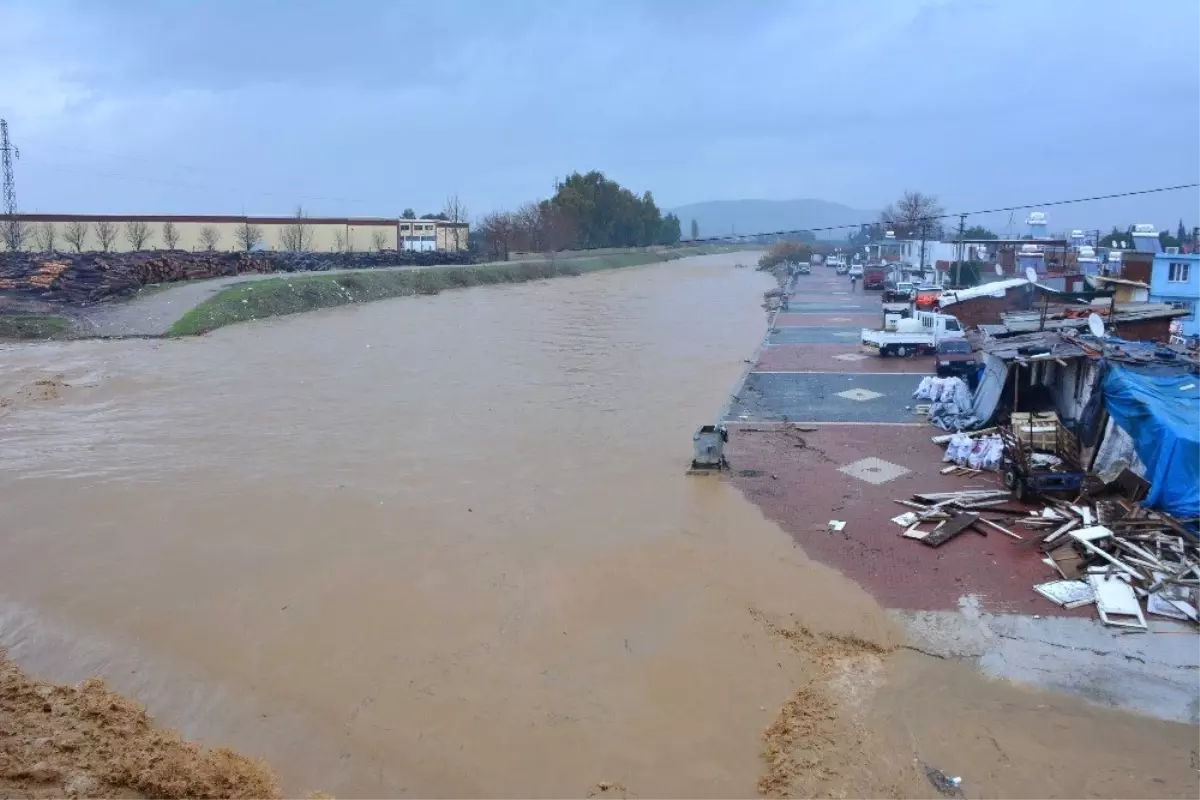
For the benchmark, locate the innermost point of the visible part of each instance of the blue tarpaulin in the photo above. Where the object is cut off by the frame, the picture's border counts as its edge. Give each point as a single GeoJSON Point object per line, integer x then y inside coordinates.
{"type": "Point", "coordinates": [1160, 410]}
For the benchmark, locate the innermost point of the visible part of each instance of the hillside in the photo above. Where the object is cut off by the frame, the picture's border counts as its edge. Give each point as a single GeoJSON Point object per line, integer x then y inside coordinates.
{"type": "Point", "coordinates": [722, 217]}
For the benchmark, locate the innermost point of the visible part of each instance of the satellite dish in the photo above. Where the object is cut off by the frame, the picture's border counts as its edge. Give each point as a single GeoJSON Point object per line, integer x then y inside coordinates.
{"type": "Point", "coordinates": [999, 270]}
{"type": "Point", "coordinates": [1096, 325]}
{"type": "Point", "coordinates": [1030, 275]}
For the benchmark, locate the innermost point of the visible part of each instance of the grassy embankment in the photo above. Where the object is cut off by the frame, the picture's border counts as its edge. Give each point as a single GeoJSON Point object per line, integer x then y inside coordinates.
{"type": "Point", "coordinates": [294, 294]}
{"type": "Point", "coordinates": [33, 326]}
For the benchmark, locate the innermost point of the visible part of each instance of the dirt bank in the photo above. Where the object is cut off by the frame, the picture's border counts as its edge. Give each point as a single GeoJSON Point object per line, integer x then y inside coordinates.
{"type": "Point", "coordinates": [85, 741]}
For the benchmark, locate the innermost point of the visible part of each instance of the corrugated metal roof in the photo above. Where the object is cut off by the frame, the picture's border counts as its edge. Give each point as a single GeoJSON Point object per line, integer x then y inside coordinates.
{"type": "Point", "coordinates": [993, 289]}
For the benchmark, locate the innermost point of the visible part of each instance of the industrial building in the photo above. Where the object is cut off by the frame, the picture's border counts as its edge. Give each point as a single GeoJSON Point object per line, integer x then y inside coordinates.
{"type": "Point", "coordinates": [126, 232]}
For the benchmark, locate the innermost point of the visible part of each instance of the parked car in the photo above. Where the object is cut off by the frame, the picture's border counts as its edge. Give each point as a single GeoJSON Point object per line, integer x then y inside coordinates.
{"type": "Point", "coordinates": [900, 292]}
{"type": "Point", "coordinates": [842, 269]}
{"type": "Point", "coordinates": [956, 359]}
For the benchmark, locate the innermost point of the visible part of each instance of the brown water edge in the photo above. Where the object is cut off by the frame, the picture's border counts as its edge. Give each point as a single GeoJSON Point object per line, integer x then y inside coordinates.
{"type": "Point", "coordinates": [445, 546]}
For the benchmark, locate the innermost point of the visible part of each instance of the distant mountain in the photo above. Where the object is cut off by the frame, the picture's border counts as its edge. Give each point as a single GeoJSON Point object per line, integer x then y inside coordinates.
{"type": "Point", "coordinates": [723, 217]}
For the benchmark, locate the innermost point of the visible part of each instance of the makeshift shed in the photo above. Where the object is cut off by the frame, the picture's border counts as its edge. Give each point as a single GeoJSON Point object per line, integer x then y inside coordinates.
{"type": "Point", "coordinates": [1033, 372]}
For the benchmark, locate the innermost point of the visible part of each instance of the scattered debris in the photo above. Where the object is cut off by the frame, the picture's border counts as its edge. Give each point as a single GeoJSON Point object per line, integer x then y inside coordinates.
{"type": "Point", "coordinates": [1068, 594]}
{"type": "Point", "coordinates": [950, 786]}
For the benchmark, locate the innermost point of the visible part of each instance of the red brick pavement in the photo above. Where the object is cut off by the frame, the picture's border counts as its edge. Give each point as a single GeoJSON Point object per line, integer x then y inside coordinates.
{"type": "Point", "coordinates": [848, 319]}
{"type": "Point", "coordinates": [801, 488]}
{"type": "Point", "coordinates": [819, 358]}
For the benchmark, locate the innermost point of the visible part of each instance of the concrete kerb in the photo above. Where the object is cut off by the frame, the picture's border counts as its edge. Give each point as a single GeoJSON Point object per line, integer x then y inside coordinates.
{"type": "Point", "coordinates": [732, 397]}
{"type": "Point", "coordinates": [1154, 673]}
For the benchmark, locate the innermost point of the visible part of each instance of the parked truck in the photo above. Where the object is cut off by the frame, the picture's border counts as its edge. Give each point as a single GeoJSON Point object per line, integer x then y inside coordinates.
{"type": "Point", "coordinates": [919, 334]}
{"type": "Point", "coordinates": [874, 276]}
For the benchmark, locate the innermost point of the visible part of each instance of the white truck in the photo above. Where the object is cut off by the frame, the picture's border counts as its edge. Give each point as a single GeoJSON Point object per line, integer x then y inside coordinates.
{"type": "Point", "coordinates": [919, 334]}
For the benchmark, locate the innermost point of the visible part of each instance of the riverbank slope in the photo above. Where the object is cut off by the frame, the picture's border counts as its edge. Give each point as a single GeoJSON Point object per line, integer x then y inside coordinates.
{"type": "Point", "coordinates": [294, 294]}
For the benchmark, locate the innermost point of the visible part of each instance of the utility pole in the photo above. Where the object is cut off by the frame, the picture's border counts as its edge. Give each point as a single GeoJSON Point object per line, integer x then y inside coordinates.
{"type": "Point", "coordinates": [962, 224]}
{"type": "Point", "coordinates": [924, 233]}
{"type": "Point", "coordinates": [7, 151]}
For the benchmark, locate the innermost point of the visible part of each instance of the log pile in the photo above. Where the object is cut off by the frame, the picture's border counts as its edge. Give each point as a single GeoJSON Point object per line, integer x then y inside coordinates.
{"type": "Point", "coordinates": [84, 278]}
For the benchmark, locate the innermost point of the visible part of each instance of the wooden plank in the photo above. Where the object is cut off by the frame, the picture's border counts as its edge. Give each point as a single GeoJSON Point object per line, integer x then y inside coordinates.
{"type": "Point", "coordinates": [1091, 548]}
{"type": "Point", "coordinates": [956, 525]}
{"type": "Point", "coordinates": [1005, 531]}
{"type": "Point", "coordinates": [1065, 528]}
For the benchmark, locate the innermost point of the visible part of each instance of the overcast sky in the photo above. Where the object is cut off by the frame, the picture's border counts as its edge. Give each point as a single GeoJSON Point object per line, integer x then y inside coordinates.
{"type": "Point", "coordinates": [364, 108]}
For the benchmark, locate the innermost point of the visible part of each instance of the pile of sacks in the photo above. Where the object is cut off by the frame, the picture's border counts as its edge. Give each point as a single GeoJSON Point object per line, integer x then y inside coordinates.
{"type": "Point", "coordinates": [983, 452]}
{"type": "Point", "coordinates": [949, 402]}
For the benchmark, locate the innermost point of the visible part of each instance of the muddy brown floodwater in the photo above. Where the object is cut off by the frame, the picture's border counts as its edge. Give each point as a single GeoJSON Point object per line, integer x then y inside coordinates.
{"type": "Point", "coordinates": [446, 546]}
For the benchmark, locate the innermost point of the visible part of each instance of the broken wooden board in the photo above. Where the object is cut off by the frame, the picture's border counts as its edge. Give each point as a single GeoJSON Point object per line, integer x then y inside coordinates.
{"type": "Point", "coordinates": [1005, 531]}
{"type": "Point", "coordinates": [1068, 562]}
{"type": "Point", "coordinates": [1068, 594]}
{"type": "Point", "coordinates": [1117, 604]}
{"type": "Point", "coordinates": [953, 527]}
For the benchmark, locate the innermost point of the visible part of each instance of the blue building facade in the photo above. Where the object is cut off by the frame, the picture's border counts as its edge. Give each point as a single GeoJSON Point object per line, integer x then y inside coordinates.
{"type": "Point", "coordinates": [1175, 278]}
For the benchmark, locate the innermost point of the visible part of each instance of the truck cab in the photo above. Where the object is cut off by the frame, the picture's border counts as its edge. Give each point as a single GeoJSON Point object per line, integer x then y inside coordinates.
{"type": "Point", "coordinates": [874, 277]}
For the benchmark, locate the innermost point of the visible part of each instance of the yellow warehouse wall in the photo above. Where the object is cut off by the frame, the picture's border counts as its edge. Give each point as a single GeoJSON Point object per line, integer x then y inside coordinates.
{"type": "Point", "coordinates": [326, 237]}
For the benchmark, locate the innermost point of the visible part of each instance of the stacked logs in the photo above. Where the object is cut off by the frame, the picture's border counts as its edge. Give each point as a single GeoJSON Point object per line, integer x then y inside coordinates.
{"type": "Point", "coordinates": [83, 278]}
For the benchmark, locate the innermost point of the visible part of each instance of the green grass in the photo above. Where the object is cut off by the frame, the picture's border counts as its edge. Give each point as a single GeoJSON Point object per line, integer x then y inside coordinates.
{"type": "Point", "coordinates": [295, 294]}
{"type": "Point", "coordinates": [33, 326]}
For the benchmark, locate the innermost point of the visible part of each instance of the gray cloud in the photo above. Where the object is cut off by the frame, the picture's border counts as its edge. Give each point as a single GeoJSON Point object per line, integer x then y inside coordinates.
{"type": "Point", "coordinates": [366, 108]}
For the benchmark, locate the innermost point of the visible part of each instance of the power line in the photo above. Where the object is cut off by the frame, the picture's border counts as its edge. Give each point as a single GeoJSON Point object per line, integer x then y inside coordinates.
{"type": "Point", "coordinates": [932, 217]}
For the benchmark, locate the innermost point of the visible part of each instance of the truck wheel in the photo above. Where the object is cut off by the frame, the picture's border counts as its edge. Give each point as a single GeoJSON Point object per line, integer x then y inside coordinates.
{"type": "Point", "coordinates": [901, 351]}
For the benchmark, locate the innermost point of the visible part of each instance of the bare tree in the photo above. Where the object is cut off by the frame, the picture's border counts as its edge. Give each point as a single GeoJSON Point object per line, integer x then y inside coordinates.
{"type": "Point", "coordinates": [210, 237]}
{"type": "Point", "coordinates": [14, 231]}
{"type": "Point", "coordinates": [138, 233]}
{"type": "Point", "coordinates": [558, 228]}
{"type": "Point", "coordinates": [913, 216]}
{"type": "Point", "coordinates": [498, 229]}
{"type": "Point", "coordinates": [297, 236]}
{"type": "Point", "coordinates": [76, 235]}
{"type": "Point", "coordinates": [170, 235]}
{"type": "Point", "coordinates": [106, 232]}
{"type": "Point", "coordinates": [248, 236]}
{"type": "Point", "coordinates": [339, 241]}
{"type": "Point", "coordinates": [379, 241]}
{"type": "Point", "coordinates": [44, 237]}
{"type": "Point", "coordinates": [456, 214]}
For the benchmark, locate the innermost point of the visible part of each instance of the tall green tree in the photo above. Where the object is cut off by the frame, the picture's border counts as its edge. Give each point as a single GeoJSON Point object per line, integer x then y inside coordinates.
{"type": "Point", "coordinates": [1181, 234]}
{"type": "Point", "coordinates": [669, 232]}
{"type": "Point", "coordinates": [978, 232]}
{"type": "Point", "coordinates": [696, 229]}
{"type": "Point", "coordinates": [602, 213]}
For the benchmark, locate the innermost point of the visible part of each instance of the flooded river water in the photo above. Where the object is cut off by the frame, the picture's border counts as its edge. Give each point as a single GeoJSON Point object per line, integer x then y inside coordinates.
{"type": "Point", "coordinates": [435, 546]}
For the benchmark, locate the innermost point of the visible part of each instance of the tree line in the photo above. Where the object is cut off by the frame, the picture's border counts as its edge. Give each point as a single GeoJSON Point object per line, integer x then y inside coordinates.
{"type": "Point", "coordinates": [587, 211]}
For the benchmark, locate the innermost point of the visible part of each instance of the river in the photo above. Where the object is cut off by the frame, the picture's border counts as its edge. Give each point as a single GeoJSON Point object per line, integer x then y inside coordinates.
{"type": "Point", "coordinates": [447, 546]}
{"type": "Point", "coordinates": [439, 545]}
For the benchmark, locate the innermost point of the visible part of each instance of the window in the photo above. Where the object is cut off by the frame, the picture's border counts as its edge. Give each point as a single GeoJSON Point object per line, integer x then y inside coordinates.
{"type": "Point", "coordinates": [1178, 272]}
{"type": "Point", "coordinates": [1186, 305]}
